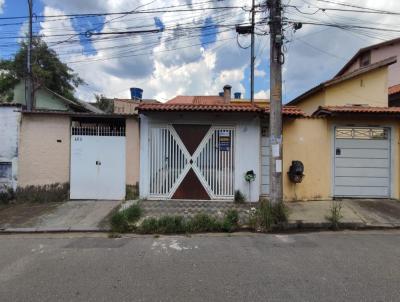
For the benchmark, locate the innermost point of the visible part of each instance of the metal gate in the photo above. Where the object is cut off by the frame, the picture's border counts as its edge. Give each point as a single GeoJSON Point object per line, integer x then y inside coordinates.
{"type": "Point", "coordinates": [191, 162]}
{"type": "Point", "coordinates": [362, 162]}
{"type": "Point", "coordinates": [265, 158]}
{"type": "Point", "coordinates": [97, 161]}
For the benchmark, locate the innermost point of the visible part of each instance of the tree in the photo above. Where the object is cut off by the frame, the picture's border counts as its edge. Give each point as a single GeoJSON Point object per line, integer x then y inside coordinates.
{"type": "Point", "coordinates": [47, 70]}
{"type": "Point", "coordinates": [103, 103]}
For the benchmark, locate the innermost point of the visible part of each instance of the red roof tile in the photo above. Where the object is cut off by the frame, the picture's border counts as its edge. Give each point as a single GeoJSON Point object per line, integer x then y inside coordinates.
{"type": "Point", "coordinates": [394, 89]}
{"type": "Point", "coordinates": [329, 110]}
{"type": "Point", "coordinates": [220, 107]}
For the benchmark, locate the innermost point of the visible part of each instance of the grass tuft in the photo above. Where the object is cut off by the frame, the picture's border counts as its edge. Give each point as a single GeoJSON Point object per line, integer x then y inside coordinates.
{"type": "Point", "coordinates": [335, 215]}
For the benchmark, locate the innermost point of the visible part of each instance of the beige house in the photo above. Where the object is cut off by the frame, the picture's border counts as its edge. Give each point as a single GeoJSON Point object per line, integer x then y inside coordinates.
{"type": "Point", "coordinates": [349, 144]}
{"type": "Point", "coordinates": [68, 142]}
{"type": "Point", "coordinates": [46, 154]}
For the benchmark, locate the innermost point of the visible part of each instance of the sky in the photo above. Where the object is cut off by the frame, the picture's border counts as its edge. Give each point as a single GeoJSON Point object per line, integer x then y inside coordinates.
{"type": "Point", "coordinates": [196, 51]}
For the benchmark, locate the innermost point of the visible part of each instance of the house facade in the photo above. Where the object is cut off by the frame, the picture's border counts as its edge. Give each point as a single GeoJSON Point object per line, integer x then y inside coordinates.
{"type": "Point", "coordinates": [68, 142]}
{"type": "Point", "coordinates": [96, 154]}
{"type": "Point", "coordinates": [206, 148]}
{"type": "Point", "coordinates": [357, 154]}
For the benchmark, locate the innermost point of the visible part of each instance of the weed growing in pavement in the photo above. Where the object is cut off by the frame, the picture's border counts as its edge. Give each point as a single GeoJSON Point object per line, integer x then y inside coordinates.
{"type": "Point", "coordinates": [239, 197]}
{"type": "Point", "coordinates": [198, 224]}
{"type": "Point", "coordinates": [132, 192]}
{"type": "Point", "coordinates": [56, 192]}
{"type": "Point", "coordinates": [335, 214]}
{"type": "Point", "coordinates": [125, 220]}
{"type": "Point", "coordinates": [6, 195]}
{"type": "Point", "coordinates": [133, 213]}
{"type": "Point", "coordinates": [231, 221]}
{"type": "Point", "coordinates": [266, 215]}
{"type": "Point", "coordinates": [119, 222]}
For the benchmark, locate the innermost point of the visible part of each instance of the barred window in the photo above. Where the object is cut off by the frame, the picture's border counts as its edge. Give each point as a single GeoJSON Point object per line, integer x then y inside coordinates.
{"type": "Point", "coordinates": [5, 171]}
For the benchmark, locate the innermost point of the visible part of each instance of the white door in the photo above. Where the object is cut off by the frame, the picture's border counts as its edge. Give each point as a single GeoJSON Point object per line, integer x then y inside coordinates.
{"type": "Point", "coordinates": [362, 162]}
{"type": "Point", "coordinates": [97, 165]}
{"type": "Point", "coordinates": [264, 161]}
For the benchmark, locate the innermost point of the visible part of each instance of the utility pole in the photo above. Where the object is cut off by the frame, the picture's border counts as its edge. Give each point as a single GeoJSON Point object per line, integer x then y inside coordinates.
{"type": "Point", "coordinates": [275, 116]}
{"type": "Point", "coordinates": [252, 51]}
{"type": "Point", "coordinates": [29, 96]}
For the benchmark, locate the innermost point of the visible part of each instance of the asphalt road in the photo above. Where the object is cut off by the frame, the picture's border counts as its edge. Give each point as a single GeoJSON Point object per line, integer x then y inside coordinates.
{"type": "Point", "coordinates": [343, 266]}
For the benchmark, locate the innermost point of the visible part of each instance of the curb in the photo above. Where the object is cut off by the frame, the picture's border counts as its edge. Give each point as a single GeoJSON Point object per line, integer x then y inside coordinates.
{"type": "Point", "coordinates": [291, 226]}
{"type": "Point", "coordinates": [54, 230]}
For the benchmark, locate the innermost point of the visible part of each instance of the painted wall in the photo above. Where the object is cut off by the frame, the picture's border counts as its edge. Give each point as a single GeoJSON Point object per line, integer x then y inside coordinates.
{"type": "Point", "coordinates": [311, 103]}
{"type": "Point", "coordinates": [42, 158]}
{"type": "Point", "coordinates": [367, 89]}
{"type": "Point", "coordinates": [9, 134]}
{"type": "Point", "coordinates": [370, 89]}
{"type": "Point", "coordinates": [381, 53]}
{"type": "Point", "coordinates": [44, 99]}
{"type": "Point", "coordinates": [307, 140]}
{"type": "Point", "coordinates": [310, 140]}
{"type": "Point", "coordinates": [132, 151]}
{"type": "Point", "coordinates": [247, 156]}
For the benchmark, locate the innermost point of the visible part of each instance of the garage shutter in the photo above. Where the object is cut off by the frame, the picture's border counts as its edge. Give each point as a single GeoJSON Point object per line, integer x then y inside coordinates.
{"type": "Point", "coordinates": [362, 162]}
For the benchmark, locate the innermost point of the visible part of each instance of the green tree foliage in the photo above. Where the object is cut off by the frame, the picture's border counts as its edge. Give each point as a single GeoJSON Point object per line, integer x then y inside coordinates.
{"type": "Point", "coordinates": [47, 70]}
{"type": "Point", "coordinates": [105, 104]}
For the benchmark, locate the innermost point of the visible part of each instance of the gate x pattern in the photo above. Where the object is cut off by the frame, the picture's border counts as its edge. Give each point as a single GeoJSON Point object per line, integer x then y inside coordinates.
{"type": "Point", "coordinates": [191, 162]}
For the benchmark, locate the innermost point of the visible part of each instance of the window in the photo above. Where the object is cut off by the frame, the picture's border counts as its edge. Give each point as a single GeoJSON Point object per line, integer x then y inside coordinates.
{"type": "Point", "coordinates": [5, 171]}
{"type": "Point", "coordinates": [365, 59]}
{"type": "Point", "coordinates": [362, 133]}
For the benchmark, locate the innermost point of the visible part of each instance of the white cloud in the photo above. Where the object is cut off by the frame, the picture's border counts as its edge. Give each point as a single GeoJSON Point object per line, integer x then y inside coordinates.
{"type": "Point", "coordinates": [1, 6]}
{"type": "Point", "coordinates": [260, 73]}
{"type": "Point", "coordinates": [262, 94]}
{"type": "Point", "coordinates": [164, 65]}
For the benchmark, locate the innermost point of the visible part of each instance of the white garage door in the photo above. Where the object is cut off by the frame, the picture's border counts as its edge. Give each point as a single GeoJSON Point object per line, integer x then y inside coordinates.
{"type": "Point", "coordinates": [97, 163]}
{"type": "Point", "coordinates": [362, 162]}
{"type": "Point", "coordinates": [264, 161]}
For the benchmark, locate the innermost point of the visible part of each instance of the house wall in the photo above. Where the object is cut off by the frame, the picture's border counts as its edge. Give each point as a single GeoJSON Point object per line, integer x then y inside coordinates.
{"type": "Point", "coordinates": [42, 159]}
{"type": "Point", "coordinates": [247, 146]}
{"type": "Point", "coordinates": [125, 106]}
{"type": "Point", "coordinates": [311, 103]}
{"type": "Point", "coordinates": [379, 54]}
{"type": "Point", "coordinates": [132, 151]}
{"type": "Point", "coordinates": [9, 135]}
{"type": "Point", "coordinates": [307, 140]}
{"type": "Point", "coordinates": [44, 100]}
{"type": "Point", "coordinates": [369, 88]}
{"type": "Point", "coordinates": [310, 140]}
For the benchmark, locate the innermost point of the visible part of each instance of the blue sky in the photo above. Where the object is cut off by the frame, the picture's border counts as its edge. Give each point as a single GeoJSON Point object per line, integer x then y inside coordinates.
{"type": "Point", "coordinates": [312, 55]}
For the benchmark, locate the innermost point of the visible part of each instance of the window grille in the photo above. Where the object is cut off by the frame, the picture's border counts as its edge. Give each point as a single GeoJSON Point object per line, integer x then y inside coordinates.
{"type": "Point", "coordinates": [98, 130]}
{"type": "Point", "coordinates": [362, 133]}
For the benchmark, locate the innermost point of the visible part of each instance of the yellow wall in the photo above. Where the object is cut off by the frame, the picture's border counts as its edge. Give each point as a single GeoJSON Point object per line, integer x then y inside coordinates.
{"type": "Point", "coordinates": [311, 103]}
{"type": "Point", "coordinates": [309, 141]}
{"type": "Point", "coordinates": [132, 151]}
{"type": "Point", "coordinates": [43, 160]}
{"type": "Point", "coordinates": [369, 88]}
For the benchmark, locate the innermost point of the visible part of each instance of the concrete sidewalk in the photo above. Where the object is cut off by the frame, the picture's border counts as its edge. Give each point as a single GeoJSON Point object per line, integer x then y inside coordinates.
{"type": "Point", "coordinates": [357, 213]}
{"type": "Point", "coordinates": [89, 216]}
{"type": "Point", "coordinates": [70, 216]}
